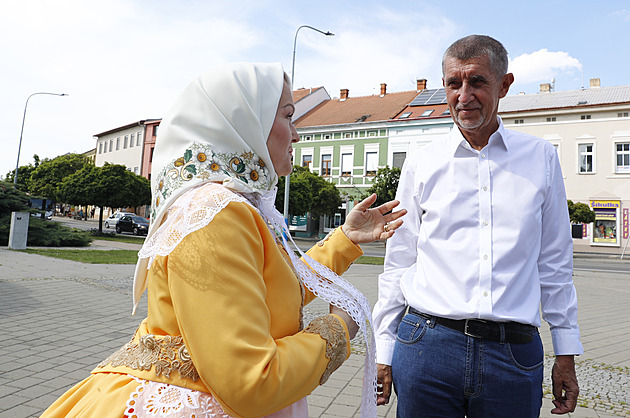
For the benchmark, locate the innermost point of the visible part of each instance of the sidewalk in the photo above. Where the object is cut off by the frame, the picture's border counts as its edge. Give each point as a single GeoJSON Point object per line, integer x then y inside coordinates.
{"type": "Point", "coordinates": [61, 318]}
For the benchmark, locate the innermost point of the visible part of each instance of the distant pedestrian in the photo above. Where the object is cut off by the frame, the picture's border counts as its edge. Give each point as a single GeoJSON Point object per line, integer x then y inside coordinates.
{"type": "Point", "coordinates": [92, 213]}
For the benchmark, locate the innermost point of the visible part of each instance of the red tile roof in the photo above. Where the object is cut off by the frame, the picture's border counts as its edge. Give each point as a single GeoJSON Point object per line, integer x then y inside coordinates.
{"type": "Point", "coordinates": [417, 111]}
{"type": "Point", "coordinates": [356, 109]}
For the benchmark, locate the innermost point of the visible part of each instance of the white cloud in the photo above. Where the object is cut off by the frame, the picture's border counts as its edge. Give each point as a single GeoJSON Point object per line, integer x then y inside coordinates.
{"type": "Point", "coordinates": [543, 65]}
{"type": "Point", "coordinates": [623, 14]}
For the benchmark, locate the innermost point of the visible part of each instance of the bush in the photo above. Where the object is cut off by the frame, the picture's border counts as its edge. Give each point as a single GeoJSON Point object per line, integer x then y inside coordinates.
{"type": "Point", "coordinates": [42, 233]}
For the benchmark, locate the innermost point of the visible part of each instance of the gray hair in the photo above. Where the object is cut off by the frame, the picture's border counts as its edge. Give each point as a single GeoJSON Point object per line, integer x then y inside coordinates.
{"type": "Point", "coordinates": [474, 46]}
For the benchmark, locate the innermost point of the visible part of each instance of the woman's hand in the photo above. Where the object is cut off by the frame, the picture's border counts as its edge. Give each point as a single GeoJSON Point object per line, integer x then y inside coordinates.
{"type": "Point", "coordinates": [366, 225]}
{"type": "Point", "coordinates": [352, 326]}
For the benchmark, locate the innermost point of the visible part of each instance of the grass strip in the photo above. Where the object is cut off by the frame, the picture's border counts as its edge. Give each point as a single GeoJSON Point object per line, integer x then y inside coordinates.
{"type": "Point", "coordinates": [130, 239]}
{"type": "Point", "coordinates": [89, 256]}
{"type": "Point", "coordinates": [373, 261]}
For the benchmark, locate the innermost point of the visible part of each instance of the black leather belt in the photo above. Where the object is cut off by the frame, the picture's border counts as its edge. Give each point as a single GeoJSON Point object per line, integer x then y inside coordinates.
{"type": "Point", "coordinates": [514, 332]}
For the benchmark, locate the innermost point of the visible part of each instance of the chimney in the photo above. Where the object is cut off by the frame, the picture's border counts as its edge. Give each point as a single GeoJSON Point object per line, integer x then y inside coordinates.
{"type": "Point", "coordinates": [343, 95]}
{"type": "Point", "coordinates": [383, 89]}
{"type": "Point", "coordinates": [595, 82]}
{"type": "Point", "coordinates": [421, 84]}
{"type": "Point", "coordinates": [545, 87]}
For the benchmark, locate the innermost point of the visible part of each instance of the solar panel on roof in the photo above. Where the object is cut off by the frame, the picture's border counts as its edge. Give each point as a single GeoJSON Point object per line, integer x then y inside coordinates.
{"type": "Point", "coordinates": [430, 97]}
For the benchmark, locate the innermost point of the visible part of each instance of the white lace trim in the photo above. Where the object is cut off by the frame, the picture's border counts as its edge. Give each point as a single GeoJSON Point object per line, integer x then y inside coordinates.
{"type": "Point", "coordinates": [154, 399]}
{"type": "Point", "coordinates": [197, 208]}
{"type": "Point", "coordinates": [192, 211]}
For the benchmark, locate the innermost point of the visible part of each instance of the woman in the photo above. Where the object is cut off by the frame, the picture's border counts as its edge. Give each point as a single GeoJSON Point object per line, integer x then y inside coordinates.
{"type": "Point", "coordinates": [224, 333]}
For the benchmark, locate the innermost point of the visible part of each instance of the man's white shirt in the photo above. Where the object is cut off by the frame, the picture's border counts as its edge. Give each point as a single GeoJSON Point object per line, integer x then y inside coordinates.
{"type": "Point", "coordinates": [487, 235]}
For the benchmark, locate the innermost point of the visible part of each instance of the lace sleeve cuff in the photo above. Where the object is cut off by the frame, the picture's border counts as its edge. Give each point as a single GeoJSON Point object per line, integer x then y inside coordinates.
{"type": "Point", "coordinates": [329, 327]}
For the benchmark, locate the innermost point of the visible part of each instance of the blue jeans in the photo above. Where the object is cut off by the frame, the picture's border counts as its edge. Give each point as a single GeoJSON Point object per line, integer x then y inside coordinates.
{"type": "Point", "coordinates": [440, 372]}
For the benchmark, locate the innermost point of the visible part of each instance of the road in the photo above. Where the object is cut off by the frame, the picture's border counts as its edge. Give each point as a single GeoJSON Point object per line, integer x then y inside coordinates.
{"type": "Point", "coordinates": [377, 249]}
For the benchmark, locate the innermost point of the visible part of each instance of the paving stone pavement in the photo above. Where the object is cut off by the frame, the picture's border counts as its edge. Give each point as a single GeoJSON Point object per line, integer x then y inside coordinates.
{"type": "Point", "coordinates": [61, 318]}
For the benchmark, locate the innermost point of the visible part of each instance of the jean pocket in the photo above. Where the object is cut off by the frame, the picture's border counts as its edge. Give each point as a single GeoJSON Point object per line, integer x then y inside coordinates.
{"type": "Point", "coordinates": [529, 356]}
{"type": "Point", "coordinates": [411, 329]}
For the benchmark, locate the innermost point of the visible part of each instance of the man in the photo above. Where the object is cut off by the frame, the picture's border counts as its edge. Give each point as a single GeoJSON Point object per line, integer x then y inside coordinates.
{"type": "Point", "coordinates": [485, 243]}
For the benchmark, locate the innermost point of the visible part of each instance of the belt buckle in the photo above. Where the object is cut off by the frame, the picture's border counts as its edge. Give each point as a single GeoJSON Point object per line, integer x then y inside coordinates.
{"type": "Point", "coordinates": [470, 334]}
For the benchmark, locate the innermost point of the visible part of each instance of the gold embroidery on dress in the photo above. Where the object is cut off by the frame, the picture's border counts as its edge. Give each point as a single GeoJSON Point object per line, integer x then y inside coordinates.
{"type": "Point", "coordinates": [167, 354]}
{"type": "Point", "coordinates": [326, 238]}
{"type": "Point", "coordinates": [329, 328]}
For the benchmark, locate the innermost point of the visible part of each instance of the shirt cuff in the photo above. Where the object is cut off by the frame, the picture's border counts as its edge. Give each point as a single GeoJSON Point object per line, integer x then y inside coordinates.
{"type": "Point", "coordinates": [385, 351]}
{"type": "Point", "coordinates": [566, 342]}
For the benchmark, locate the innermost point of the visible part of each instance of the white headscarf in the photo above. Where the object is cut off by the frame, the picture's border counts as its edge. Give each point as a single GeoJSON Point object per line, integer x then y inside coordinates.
{"type": "Point", "coordinates": [216, 133]}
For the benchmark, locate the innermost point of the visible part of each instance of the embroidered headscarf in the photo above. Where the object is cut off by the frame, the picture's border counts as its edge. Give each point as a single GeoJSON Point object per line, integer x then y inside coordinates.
{"type": "Point", "coordinates": [216, 134]}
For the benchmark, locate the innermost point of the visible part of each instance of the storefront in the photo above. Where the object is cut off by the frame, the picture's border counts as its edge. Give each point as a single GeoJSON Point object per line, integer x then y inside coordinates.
{"type": "Point", "coordinates": [608, 223]}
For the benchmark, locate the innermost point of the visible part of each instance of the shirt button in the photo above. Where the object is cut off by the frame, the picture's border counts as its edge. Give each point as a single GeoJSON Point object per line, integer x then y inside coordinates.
{"type": "Point", "coordinates": [485, 294]}
{"type": "Point", "coordinates": [485, 188]}
{"type": "Point", "coordinates": [485, 257]}
{"type": "Point", "coordinates": [483, 155]}
{"type": "Point", "coordinates": [485, 223]}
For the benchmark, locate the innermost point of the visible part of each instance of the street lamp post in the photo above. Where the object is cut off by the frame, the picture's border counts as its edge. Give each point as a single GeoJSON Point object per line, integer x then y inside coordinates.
{"type": "Point", "coordinates": [287, 178]}
{"type": "Point", "coordinates": [17, 164]}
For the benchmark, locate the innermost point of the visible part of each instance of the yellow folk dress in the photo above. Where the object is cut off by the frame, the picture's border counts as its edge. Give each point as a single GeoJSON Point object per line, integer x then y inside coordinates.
{"type": "Point", "coordinates": [225, 318]}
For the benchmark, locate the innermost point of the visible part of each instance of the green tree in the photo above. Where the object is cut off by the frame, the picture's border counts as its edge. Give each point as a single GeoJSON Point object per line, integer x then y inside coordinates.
{"type": "Point", "coordinates": [385, 184]}
{"type": "Point", "coordinates": [308, 192]}
{"type": "Point", "coordinates": [46, 178]}
{"type": "Point", "coordinates": [580, 213]}
{"type": "Point", "coordinates": [109, 186]}
{"type": "Point", "coordinates": [24, 175]}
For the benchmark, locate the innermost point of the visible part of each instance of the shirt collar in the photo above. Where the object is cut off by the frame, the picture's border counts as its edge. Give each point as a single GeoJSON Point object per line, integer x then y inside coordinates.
{"type": "Point", "coordinates": [498, 137]}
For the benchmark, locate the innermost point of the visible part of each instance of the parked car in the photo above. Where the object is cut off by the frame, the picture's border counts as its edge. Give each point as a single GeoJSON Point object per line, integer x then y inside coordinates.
{"type": "Point", "coordinates": [48, 215]}
{"type": "Point", "coordinates": [133, 223]}
{"type": "Point", "coordinates": [114, 217]}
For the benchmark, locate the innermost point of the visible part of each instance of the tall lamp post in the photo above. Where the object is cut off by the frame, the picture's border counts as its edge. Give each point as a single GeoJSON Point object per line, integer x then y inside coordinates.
{"type": "Point", "coordinates": [287, 178]}
{"type": "Point", "coordinates": [17, 164]}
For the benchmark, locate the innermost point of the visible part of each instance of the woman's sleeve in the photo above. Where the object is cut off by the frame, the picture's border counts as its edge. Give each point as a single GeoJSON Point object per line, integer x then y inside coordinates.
{"type": "Point", "coordinates": [337, 252]}
{"type": "Point", "coordinates": [218, 283]}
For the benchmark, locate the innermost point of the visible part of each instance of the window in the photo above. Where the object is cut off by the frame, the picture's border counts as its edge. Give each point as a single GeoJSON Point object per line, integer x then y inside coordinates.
{"type": "Point", "coordinates": [155, 129]}
{"type": "Point", "coordinates": [622, 114]}
{"type": "Point", "coordinates": [327, 136]}
{"type": "Point", "coordinates": [584, 117]}
{"type": "Point", "coordinates": [446, 112]}
{"type": "Point", "coordinates": [346, 164]}
{"type": "Point", "coordinates": [518, 121]}
{"type": "Point", "coordinates": [307, 138]}
{"type": "Point", "coordinates": [307, 160]}
{"type": "Point", "coordinates": [126, 141]}
{"type": "Point", "coordinates": [133, 139]}
{"type": "Point", "coordinates": [585, 152]}
{"type": "Point", "coordinates": [427, 113]}
{"type": "Point", "coordinates": [117, 143]}
{"type": "Point", "coordinates": [100, 147]}
{"type": "Point", "coordinates": [623, 157]}
{"type": "Point", "coordinates": [551, 119]}
{"type": "Point", "coordinates": [404, 115]}
{"type": "Point", "coordinates": [326, 165]}
{"type": "Point", "coordinates": [348, 135]}
{"type": "Point", "coordinates": [138, 142]}
{"type": "Point", "coordinates": [111, 145]}
{"type": "Point", "coordinates": [372, 133]}
{"type": "Point", "coordinates": [135, 170]}
{"type": "Point", "coordinates": [371, 163]}
{"type": "Point", "coordinates": [399, 159]}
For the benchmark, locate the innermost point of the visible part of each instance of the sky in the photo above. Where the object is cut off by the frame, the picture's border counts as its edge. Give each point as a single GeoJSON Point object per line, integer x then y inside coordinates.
{"type": "Point", "coordinates": [121, 61]}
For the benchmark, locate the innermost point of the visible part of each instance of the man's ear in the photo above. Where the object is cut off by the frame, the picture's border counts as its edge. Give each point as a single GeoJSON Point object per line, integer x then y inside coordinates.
{"type": "Point", "coordinates": [507, 81]}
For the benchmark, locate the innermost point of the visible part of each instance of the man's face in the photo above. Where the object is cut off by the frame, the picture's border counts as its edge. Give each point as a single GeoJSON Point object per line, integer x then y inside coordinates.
{"type": "Point", "coordinates": [472, 93]}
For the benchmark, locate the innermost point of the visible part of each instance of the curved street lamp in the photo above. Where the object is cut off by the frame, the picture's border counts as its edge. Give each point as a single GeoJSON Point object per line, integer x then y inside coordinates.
{"type": "Point", "coordinates": [17, 164]}
{"type": "Point", "coordinates": [287, 179]}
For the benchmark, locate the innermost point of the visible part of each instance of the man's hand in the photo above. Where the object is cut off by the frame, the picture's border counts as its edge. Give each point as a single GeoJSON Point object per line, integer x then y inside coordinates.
{"type": "Point", "coordinates": [564, 380]}
{"type": "Point", "coordinates": [384, 384]}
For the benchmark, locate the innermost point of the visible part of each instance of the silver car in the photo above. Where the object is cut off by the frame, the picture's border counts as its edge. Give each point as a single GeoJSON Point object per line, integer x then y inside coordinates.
{"type": "Point", "coordinates": [114, 217]}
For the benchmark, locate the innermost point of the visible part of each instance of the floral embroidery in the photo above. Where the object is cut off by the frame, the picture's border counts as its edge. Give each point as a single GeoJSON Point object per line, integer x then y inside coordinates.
{"type": "Point", "coordinates": [153, 399]}
{"type": "Point", "coordinates": [166, 354]}
{"type": "Point", "coordinates": [200, 161]}
{"type": "Point", "coordinates": [329, 328]}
